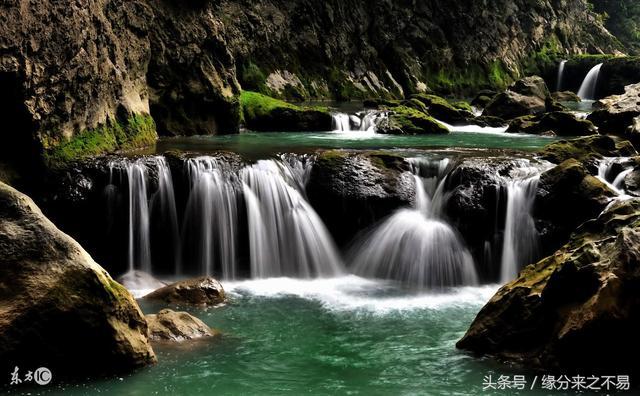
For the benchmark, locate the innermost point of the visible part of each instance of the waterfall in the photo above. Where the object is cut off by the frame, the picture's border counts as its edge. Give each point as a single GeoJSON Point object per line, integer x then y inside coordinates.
{"type": "Point", "coordinates": [588, 88]}
{"type": "Point", "coordinates": [364, 121]}
{"type": "Point", "coordinates": [286, 236]}
{"type": "Point", "coordinates": [415, 246]}
{"type": "Point", "coordinates": [165, 210]}
{"type": "Point", "coordinates": [606, 174]}
{"type": "Point", "coordinates": [560, 75]}
{"type": "Point", "coordinates": [520, 245]}
{"type": "Point", "coordinates": [139, 245]}
{"type": "Point", "coordinates": [211, 215]}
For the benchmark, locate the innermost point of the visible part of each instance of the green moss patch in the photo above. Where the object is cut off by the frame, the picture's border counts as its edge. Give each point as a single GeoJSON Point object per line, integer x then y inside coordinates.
{"type": "Point", "coordinates": [263, 113]}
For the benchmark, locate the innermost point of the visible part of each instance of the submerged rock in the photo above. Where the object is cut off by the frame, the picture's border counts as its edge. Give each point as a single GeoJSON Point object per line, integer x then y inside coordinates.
{"type": "Point", "coordinates": [559, 123]}
{"type": "Point", "coordinates": [616, 114]}
{"type": "Point", "coordinates": [60, 309]}
{"type": "Point", "coordinates": [168, 325]}
{"type": "Point", "coordinates": [200, 291]}
{"type": "Point", "coordinates": [577, 310]}
{"type": "Point", "coordinates": [351, 191]}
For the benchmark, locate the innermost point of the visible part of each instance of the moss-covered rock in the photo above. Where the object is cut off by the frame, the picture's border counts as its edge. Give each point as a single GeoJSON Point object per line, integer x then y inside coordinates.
{"type": "Point", "coordinates": [59, 308]}
{"type": "Point", "coordinates": [136, 132]}
{"type": "Point", "coordinates": [263, 113]}
{"type": "Point", "coordinates": [442, 110]}
{"type": "Point", "coordinates": [558, 123]}
{"type": "Point", "coordinates": [587, 149]}
{"type": "Point", "coordinates": [201, 291]}
{"type": "Point", "coordinates": [576, 310]}
{"type": "Point", "coordinates": [403, 120]}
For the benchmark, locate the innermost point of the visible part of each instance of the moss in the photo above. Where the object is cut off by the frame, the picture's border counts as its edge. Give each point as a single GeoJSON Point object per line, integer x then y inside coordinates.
{"type": "Point", "coordinates": [138, 131]}
{"type": "Point", "coordinates": [469, 79]}
{"type": "Point", "coordinates": [544, 58]}
{"type": "Point", "coordinates": [263, 113]}
{"type": "Point", "coordinates": [462, 105]}
{"type": "Point", "coordinates": [413, 122]}
{"type": "Point", "coordinates": [252, 77]}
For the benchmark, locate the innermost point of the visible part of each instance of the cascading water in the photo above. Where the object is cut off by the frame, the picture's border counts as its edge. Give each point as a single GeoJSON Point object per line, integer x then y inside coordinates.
{"type": "Point", "coordinates": [164, 209]}
{"type": "Point", "coordinates": [561, 68]}
{"type": "Point", "coordinates": [211, 215]}
{"type": "Point", "coordinates": [607, 174]}
{"type": "Point", "coordinates": [415, 246]}
{"type": "Point", "coordinates": [365, 121]}
{"type": "Point", "coordinates": [588, 88]}
{"type": "Point", "coordinates": [286, 236]}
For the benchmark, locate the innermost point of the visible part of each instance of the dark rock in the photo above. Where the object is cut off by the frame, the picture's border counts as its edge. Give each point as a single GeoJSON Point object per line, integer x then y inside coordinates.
{"type": "Point", "coordinates": [444, 111]}
{"type": "Point", "coordinates": [531, 86]}
{"type": "Point", "coordinates": [616, 114]}
{"type": "Point", "coordinates": [352, 191]}
{"type": "Point", "coordinates": [559, 312]}
{"type": "Point", "coordinates": [568, 195]}
{"type": "Point", "coordinates": [482, 98]}
{"type": "Point", "coordinates": [509, 105]}
{"type": "Point", "coordinates": [168, 325]}
{"type": "Point", "coordinates": [200, 291]}
{"type": "Point", "coordinates": [587, 149]}
{"type": "Point", "coordinates": [559, 122]}
{"type": "Point", "coordinates": [59, 308]}
{"type": "Point", "coordinates": [566, 96]}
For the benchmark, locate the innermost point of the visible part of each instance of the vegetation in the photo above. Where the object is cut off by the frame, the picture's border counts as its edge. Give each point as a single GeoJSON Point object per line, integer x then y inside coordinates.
{"type": "Point", "coordinates": [138, 131]}
{"type": "Point", "coordinates": [622, 18]}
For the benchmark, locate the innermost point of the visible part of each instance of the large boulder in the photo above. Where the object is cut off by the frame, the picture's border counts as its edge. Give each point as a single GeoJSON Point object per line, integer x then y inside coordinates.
{"type": "Point", "coordinates": [568, 195]}
{"type": "Point", "coordinates": [615, 114]}
{"type": "Point", "coordinates": [528, 96]}
{"type": "Point", "coordinates": [168, 325]}
{"type": "Point", "coordinates": [353, 190]}
{"type": "Point", "coordinates": [404, 120]}
{"type": "Point", "coordinates": [265, 114]}
{"type": "Point", "coordinates": [199, 291]}
{"type": "Point", "coordinates": [578, 310]}
{"type": "Point", "coordinates": [444, 111]}
{"type": "Point", "coordinates": [58, 308]}
{"type": "Point", "coordinates": [559, 123]}
{"type": "Point", "coordinates": [587, 149]}
{"type": "Point", "coordinates": [566, 96]}
{"type": "Point", "coordinates": [531, 86]}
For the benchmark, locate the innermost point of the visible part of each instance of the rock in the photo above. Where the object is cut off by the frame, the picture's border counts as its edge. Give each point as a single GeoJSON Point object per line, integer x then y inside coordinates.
{"type": "Point", "coordinates": [576, 310]}
{"type": "Point", "coordinates": [533, 86]}
{"type": "Point", "coordinates": [403, 120]}
{"type": "Point", "coordinates": [353, 190]}
{"type": "Point", "coordinates": [262, 113]}
{"type": "Point", "coordinates": [566, 96]}
{"type": "Point", "coordinates": [482, 98]}
{"type": "Point", "coordinates": [560, 123]}
{"type": "Point", "coordinates": [587, 149]}
{"type": "Point", "coordinates": [442, 110]}
{"type": "Point", "coordinates": [168, 325]}
{"type": "Point", "coordinates": [615, 114]}
{"type": "Point", "coordinates": [509, 105]}
{"type": "Point", "coordinates": [59, 308]}
{"type": "Point", "coordinates": [200, 291]}
{"type": "Point", "coordinates": [568, 195]}
{"type": "Point", "coordinates": [140, 283]}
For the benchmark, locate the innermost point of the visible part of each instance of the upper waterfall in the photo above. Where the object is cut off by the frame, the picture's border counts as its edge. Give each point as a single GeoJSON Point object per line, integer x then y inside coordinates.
{"type": "Point", "coordinates": [588, 88]}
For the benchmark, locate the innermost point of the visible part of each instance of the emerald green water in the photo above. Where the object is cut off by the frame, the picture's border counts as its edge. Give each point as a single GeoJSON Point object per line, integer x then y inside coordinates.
{"type": "Point", "coordinates": [253, 144]}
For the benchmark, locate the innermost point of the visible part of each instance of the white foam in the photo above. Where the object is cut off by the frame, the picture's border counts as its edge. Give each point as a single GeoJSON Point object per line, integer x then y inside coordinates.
{"type": "Point", "coordinates": [352, 293]}
{"type": "Point", "coordinates": [476, 129]}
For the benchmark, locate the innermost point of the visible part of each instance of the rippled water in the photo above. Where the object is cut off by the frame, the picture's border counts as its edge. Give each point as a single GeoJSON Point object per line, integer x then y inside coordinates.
{"type": "Point", "coordinates": [326, 337]}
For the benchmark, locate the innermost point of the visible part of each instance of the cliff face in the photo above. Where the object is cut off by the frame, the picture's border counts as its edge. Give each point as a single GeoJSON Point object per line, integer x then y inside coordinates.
{"type": "Point", "coordinates": [85, 77]}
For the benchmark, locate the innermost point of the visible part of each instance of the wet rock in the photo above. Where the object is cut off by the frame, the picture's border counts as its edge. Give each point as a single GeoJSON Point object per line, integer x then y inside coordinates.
{"type": "Point", "coordinates": [509, 105]}
{"type": "Point", "coordinates": [587, 149]}
{"type": "Point", "coordinates": [576, 310]}
{"type": "Point", "coordinates": [531, 86]}
{"type": "Point", "coordinates": [262, 113]}
{"type": "Point", "coordinates": [403, 120]}
{"type": "Point", "coordinates": [615, 114]}
{"type": "Point", "coordinates": [566, 96]}
{"type": "Point", "coordinates": [558, 123]}
{"type": "Point", "coordinates": [59, 308]}
{"type": "Point", "coordinates": [200, 291]}
{"type": "Point", "coordinates": [168, 325]}
{"type": "Point", "coordinates": [568, 195]}
{"type": "Point", "coordinates": [352, 191]}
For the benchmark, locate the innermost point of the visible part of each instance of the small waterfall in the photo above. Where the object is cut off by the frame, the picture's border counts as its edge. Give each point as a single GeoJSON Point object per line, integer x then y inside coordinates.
{"type": "Point", "coordinates": [365, 121]}
{"type": "Point", "coordinates": [414, 246]}
{"type": "Point", "coordinates": [606, 174]}
{"type": "Point", "coordinates": [588, 88]}
{"type": "Point", "coordinates": [561, 67]}
{"type": "Point", "coordinates": [165, 210]}
{"type": "Point", "coordinates": [212, 214]}
{"type": "Point", "coordinates": [286, 236]}
{"type": "Point", "coordinates": [520, 244]}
